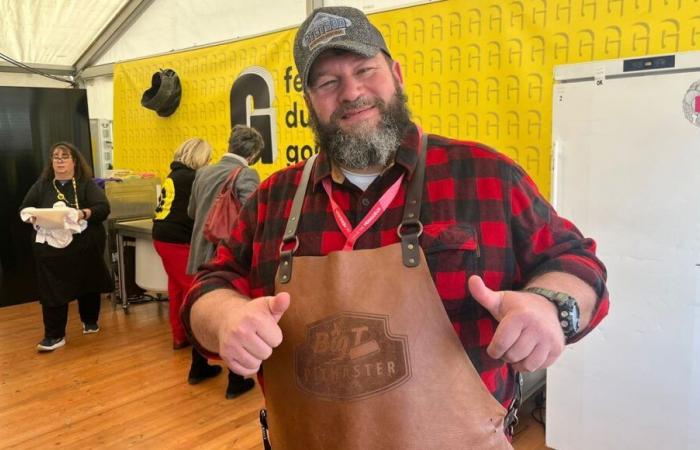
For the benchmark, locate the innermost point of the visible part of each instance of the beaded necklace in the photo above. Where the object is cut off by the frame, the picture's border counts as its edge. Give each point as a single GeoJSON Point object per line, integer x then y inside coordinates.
{"type": "Point", "coordinates": [61, 197]}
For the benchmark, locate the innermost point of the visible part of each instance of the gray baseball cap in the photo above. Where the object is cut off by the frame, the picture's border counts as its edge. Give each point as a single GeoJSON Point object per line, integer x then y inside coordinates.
{"type": "Point", "coordinates": [335, 27]}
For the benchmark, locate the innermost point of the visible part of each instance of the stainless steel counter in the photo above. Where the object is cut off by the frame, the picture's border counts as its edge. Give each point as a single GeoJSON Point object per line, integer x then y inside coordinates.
{"type": "Point", "coordinates": [135, 228]}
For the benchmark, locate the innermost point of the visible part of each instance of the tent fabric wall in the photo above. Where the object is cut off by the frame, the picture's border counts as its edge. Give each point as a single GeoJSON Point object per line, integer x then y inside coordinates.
{"type": "Point", "coordinates": [173, 25]}
{"type": "Point", "coordinates": [169, 25]}
{"type": "Point", "coordinates": [478, 71]}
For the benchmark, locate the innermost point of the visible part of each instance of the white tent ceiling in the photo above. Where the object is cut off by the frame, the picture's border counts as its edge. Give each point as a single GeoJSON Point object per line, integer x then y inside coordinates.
{"type": "Point", "coordinates": [66, 37]}
{"type": "Point", "coordinates": [53, 32]}
{"type": "Point", "coordinates": [61, 37]}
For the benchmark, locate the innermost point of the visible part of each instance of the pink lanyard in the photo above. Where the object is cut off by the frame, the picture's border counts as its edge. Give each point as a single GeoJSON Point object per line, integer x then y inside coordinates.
{"type": "Point", "coordinates": [352, 235]}
{"type": "Point", "coordinates": [372, 216]}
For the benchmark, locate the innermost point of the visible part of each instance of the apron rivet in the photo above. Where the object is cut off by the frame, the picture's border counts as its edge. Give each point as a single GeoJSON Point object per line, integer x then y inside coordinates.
{"type": "Point", "coordinates": [284, 277]}
{"type": "Point", "coordinates": [411, 260]}
{"type": "Point", "coordinates": [410, 246]}
{"type": "Point", "coordinates": [410, 214]}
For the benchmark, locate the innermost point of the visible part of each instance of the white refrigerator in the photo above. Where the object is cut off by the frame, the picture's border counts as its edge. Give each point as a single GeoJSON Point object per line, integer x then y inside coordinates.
{"type": "Point", "coordinates": [626, 171]}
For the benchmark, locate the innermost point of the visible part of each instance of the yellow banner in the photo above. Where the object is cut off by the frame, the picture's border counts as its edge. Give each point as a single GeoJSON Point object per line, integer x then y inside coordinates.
{"type": "Point", "coordinates": [475, 70]}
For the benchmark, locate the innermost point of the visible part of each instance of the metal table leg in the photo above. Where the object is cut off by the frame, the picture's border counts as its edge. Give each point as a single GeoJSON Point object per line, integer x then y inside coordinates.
{"type": "Point", "coordinates": [123, 295]}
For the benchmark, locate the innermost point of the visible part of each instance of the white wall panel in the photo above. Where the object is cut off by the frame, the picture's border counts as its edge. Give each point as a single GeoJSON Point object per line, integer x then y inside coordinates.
{"type": "Point", "coordinates": [169, 25]}
{"type": "Point", "coordinates": [100, 97]}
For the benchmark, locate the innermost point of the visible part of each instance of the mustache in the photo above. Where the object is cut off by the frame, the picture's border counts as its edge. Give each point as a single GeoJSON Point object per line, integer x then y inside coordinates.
{"type": "Point", "coordinates": [361, 102]}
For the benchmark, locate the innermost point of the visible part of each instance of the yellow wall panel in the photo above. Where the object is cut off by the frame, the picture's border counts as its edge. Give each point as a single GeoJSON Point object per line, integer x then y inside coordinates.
{"type": "Point", "coordinates": [476, 70]}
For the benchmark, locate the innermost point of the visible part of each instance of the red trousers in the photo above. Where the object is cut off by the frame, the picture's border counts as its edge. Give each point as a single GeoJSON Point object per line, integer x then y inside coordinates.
{"type": "Point", "coordinates": [174, 258]}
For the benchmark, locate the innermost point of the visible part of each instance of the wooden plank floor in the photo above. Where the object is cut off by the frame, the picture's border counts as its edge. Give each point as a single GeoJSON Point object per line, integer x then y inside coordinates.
{"type": "Point", "coordinates": [124, 387]}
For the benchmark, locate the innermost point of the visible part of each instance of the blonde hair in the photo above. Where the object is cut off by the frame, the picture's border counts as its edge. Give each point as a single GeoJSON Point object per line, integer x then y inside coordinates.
{"type": "Point", "coordinates": [194, 153]}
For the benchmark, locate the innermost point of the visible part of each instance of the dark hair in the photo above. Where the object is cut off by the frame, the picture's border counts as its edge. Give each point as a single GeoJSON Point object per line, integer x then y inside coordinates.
{"type": "Point", "coordinates": [82, 169]}
{"type": "Point", "coordinates": [246, 142]}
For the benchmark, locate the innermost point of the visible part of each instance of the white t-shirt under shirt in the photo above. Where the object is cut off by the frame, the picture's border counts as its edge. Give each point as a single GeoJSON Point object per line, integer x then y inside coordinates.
{"type": "Point", "coordinates": [361, 180]}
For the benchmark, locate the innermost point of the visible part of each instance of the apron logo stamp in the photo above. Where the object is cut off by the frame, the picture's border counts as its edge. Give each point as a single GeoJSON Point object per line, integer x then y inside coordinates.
{"type": "Point", "coordinates": [351, 356]}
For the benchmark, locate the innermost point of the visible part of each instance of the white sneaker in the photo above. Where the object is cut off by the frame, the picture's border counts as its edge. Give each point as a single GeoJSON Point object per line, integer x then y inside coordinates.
{"type": "Point", "coordinates": [90, 328]}
{"type": "Point", "coordinates": [50, 344]}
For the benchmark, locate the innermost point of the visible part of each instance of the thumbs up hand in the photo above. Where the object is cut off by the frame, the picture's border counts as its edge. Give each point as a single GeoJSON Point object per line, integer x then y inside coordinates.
{"type": "Point", "coordinates": [528, 335]}
{"type": "Point", "coordinates": [250, 333]}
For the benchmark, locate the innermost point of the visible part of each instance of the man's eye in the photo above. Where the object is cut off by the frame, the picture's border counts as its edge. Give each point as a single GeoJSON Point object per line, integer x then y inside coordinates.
{"type": "Point", "coordinates": [366, 71]}
{"type": "Point", "coordinates": [326, 84]}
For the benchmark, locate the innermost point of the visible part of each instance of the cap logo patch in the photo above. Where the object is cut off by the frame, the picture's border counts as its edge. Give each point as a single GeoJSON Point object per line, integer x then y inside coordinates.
{"type": "Point", "coordinates": [323, 28]}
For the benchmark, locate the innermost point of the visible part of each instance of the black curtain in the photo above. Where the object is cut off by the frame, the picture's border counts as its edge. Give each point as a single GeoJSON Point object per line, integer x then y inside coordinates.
{"type": "Point", "coordinates": [31, 120]}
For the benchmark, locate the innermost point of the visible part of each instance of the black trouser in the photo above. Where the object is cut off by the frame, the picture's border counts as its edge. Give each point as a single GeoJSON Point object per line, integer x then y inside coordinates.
{"type": "Point", "coordinates": [200, 364]}
{"type": "Point", "coordinates": [56, 317]}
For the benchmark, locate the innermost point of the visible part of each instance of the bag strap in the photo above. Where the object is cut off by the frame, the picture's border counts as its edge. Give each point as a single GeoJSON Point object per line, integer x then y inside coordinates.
{"type": "Point", "coordinates": [230, 182]}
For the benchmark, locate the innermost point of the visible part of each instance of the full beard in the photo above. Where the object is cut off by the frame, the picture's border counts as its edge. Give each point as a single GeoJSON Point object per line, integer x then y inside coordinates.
{"type": "Point", "coordinates": [366, 145]}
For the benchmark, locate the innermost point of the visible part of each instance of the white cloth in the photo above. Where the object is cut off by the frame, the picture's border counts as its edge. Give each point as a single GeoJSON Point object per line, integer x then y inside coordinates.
{"type": "Point", "coordinates": [54, 226]}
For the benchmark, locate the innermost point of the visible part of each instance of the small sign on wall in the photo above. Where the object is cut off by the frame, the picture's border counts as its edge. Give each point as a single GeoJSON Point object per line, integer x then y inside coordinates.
{"type": "Point", "coordinates": [691, 104]}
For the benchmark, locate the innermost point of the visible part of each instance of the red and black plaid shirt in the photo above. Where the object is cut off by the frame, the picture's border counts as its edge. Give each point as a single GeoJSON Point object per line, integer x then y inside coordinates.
{"type": "Point", "coordinates": [481, 213]}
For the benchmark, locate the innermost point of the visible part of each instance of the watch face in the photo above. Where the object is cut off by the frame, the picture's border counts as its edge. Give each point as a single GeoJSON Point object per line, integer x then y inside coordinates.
{"type": "Point", "coordinates": [567, 307]}
{"type": "Point", "coordinates": [569, 317]}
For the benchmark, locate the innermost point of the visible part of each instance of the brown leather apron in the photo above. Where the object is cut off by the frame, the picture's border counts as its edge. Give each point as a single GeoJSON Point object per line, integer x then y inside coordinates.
{"type": "Point", "coordinates": [369, 358]}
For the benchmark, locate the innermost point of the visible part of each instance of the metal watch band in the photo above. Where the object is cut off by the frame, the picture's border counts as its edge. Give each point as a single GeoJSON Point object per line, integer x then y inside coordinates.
{"type": "Point", "coordinates": [568, 311]}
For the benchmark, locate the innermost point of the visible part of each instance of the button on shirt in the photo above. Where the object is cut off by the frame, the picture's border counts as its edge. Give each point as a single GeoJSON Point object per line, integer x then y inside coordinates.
{"type": "Point", "coordinates": [481, 213]}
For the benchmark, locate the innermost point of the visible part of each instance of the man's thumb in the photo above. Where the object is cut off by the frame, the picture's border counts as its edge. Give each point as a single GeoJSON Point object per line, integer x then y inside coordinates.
{"type": "Point", "coordinates": [278, 304]}
{"type": "Point", "coordinates": [491, 300]}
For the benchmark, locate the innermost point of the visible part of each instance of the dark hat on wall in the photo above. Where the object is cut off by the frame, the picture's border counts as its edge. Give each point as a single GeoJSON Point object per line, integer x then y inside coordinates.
{"type": "Point", "coordinates": [335, 27]}
{"type": "Point", "coordinates": [163, 96]}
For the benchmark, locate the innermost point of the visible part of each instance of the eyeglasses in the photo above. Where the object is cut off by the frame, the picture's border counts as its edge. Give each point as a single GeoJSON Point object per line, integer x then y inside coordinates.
{"type": "Point", "coordinates": [61, 158]}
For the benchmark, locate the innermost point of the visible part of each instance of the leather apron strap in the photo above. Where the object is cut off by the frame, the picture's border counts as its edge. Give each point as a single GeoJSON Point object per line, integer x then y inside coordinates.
{"type": "Point", "coordinates": [409, 230]}
{"type": "Point", "coordinates": [284, 273]}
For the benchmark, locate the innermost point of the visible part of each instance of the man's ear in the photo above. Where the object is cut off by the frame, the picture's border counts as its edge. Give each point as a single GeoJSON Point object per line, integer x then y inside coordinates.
{"type": "Point", "coordinates": [396, 70]}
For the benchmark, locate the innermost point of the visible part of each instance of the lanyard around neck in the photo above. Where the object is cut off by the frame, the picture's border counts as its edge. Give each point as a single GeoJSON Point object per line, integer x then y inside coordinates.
{"type": "Point", "coordinates": [61, 196]}
{"type": "Point", "coordinates": [353, 234]}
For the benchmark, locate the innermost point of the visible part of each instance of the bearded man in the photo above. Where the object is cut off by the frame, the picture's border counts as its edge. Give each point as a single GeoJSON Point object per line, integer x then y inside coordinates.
{"type": "Point", "coordinates": [393, 287]}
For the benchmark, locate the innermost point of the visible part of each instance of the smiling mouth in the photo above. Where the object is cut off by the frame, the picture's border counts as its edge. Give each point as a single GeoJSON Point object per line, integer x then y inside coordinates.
{"type": "Point", "coordinates": [353, 113]}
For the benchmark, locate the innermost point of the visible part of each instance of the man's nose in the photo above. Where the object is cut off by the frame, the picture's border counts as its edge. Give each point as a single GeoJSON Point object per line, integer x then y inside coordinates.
{"type": "Point", "coordinates": [351, 89]}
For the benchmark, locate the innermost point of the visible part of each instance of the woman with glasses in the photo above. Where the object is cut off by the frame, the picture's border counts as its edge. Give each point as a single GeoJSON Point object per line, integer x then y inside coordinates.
{"type": "Point", "coordinates": [78, 270]}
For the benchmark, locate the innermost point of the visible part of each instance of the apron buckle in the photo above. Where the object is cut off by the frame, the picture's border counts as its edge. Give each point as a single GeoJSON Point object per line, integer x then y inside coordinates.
{"type": "Point", "coordinates": [263, 428]}
{"type": "Point", "coordinates": [409, 242]}
{"type": "Point", "coordinates": [416, 222]}
{"type": "Point", "coordinates": [286, 241]}
{"type": "Point", "coordinates": [511, 420]}
{"type": "Point", "coordinates": [285, 267]}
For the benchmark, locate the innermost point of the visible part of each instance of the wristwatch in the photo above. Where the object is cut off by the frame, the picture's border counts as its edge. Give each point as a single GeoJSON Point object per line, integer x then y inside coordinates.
{"type": "Point", "coordinates": [569, 313]}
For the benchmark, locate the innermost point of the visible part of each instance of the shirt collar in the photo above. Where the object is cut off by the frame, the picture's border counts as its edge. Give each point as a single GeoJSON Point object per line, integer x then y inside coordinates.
{"type": "Point", "coordinates": [234, 156]}
{"type": "Point", "coordinates": [406, 157]}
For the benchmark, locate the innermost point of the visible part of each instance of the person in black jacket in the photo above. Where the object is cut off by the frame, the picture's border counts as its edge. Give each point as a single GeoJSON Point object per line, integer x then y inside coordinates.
{"type": "Point", "coordinates": [172, 227]}
{"type": "Point", "coordinates": [77, 270]}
